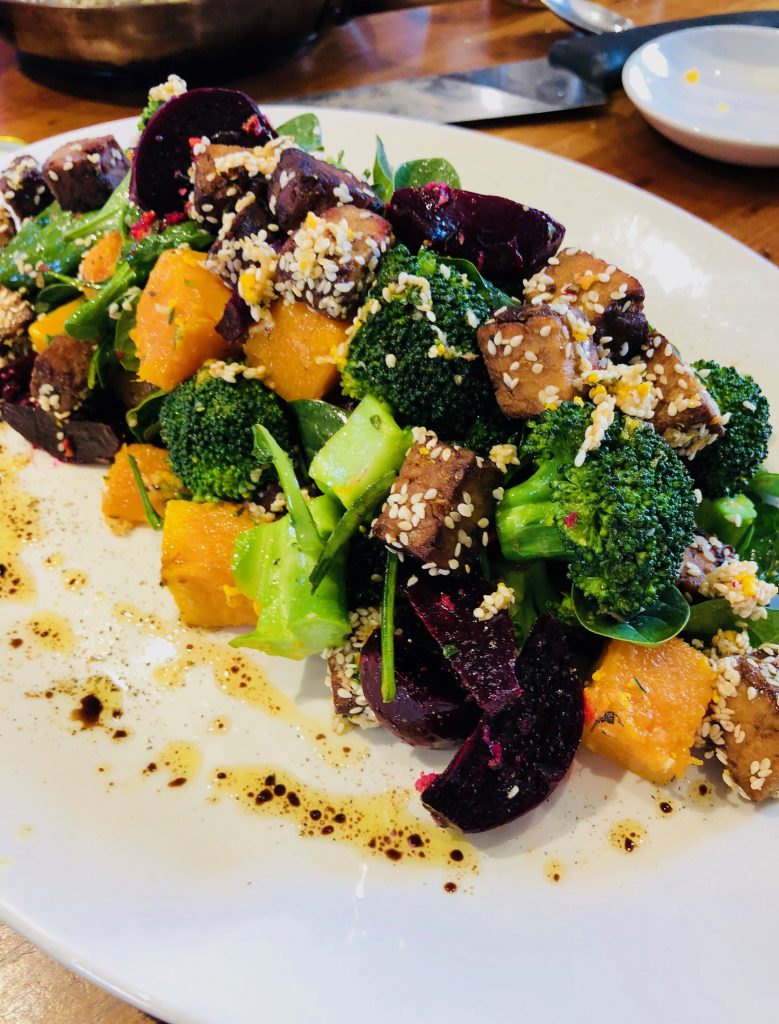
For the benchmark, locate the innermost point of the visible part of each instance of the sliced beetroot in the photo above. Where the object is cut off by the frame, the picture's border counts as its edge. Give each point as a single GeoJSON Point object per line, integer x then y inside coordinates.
{"type": "Point", "coordinates": [505, 240]}
{"type": "Point", "coordinates": [15, 378]}
{"type": "Point", "coordinates": [236, 319]}
{"type": "Point", "coordinates": [481, 652]}
{"type": "Point", "coordinates": [85, 441]}
{"type": "Point", "coordinates": [513, 760]}
{"type": "Point", "coordinates": [159, 179]}
{"type": "Point", "coordinates": [430, 708]}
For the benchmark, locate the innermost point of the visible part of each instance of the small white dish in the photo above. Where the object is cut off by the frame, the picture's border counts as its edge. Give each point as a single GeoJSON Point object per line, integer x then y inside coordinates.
{"type": "Point", "coordinates": [713, 90]}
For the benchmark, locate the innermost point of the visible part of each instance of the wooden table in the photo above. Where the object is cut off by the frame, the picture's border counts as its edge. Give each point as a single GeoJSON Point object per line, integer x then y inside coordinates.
{"type": "Point", "coordinates": [422, 40]}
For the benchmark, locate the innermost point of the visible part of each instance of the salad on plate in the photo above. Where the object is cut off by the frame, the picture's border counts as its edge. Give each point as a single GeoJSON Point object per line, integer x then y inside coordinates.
{"type": "Point", "coordinates": [403, 426]}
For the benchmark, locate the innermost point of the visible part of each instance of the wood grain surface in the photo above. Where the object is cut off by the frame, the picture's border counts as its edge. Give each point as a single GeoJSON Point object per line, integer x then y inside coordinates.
{"type": "Point", "coordinates": [420, 40]}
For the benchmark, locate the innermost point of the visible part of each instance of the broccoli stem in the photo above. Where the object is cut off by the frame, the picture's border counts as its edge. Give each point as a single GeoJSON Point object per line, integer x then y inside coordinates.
{"type": "Point", "coordinates": [525, 519]}
{"type": "Point", "coordinates": [272, 568]}
{"type": "Point", "coordinates": [730, 518]}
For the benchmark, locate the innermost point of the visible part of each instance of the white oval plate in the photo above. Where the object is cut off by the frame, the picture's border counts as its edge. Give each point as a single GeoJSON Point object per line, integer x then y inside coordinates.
{"type": "Point", "coordinates": [202, 913]}
{"type": "Point", "coordinates": [714, 90]}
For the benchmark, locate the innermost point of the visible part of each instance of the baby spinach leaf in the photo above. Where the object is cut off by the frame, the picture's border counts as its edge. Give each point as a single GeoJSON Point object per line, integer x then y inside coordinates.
{"type": "Point", "coordinates": [317, 422]}
{"type": "Point", "coordinates": [143, 420]}
{"type": "Point", "coordinates": [654, 625]}
{"type": "Point", "coordinates": [383, 174]}
{"type": "Point", "coordinates": [306, 131]}
{"type": "Point", "coordinates": [416, 173]}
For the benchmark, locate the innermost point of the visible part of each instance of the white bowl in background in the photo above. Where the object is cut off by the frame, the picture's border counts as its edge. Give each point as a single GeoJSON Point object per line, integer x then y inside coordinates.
{"type": "Point", "coordinates": [714, 90]}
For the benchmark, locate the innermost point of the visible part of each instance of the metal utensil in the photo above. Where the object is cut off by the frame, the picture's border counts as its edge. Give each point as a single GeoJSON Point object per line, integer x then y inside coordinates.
{"type": "Point", "coordinates": [577, 74]}
{"type": "Point", "coordinates": [587, 16]}
{"type": "Point", "coordinates": [523, 88]}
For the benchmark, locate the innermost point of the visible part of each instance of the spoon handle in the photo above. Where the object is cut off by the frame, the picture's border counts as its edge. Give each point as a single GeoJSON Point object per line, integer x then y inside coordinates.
{"type": "Point", "coordinates": [599, 59]}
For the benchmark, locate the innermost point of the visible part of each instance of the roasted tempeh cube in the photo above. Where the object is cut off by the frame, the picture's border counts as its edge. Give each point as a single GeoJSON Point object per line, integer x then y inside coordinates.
{"type": "Point", "coordinates": [705, 554]}
{"type": "Point", "coordinates": [7, 226]}
{"type": "Point", "coordinates": [221, 175]}
{"type": "Point", "coordinates": [60, 374]}
{"type": "Point", "coordinates": [302, 184]}
{"type": "Point", "coordinates": [440, 506]}
{"type": "Point", "coordinates": [83, 174]}
{"type": "Point", "coordinates": [16, 314]}
{"type": "Point", "coordinates": [23, 188]}
{"type": "Point", "coordinates": [743, 728]}
{"type": "Point", "coordinates": [536, 356]}
{"type": "Point", "coordinates": [610, 299]}
{"type": "Point", "coordinates": [685, 415]}
{"type": "Point", "coordinates": [331, 260]}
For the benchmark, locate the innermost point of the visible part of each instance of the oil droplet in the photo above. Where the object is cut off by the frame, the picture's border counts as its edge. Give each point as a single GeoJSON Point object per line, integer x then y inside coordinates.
{"type": "Point", "coordinates": [25, 831]}
{"type": "Point", "coordinates": [51, 631]}
{"type": "Point", "coordinates": [378, 824]}
{"type": "Point", "coordinates": [701, 793]}
{"type": "Point", "coordinates": [5, 862]}
{"type": "Point", "coordinates": [19, 525]}
{"type": "Point", "coordinates": [553, 869]}
{"type": "Point", "coordinates": [181, 761]}
{"type": "Point", "coordinates": [74, 579]}
{"type": "Point", "coordinates": [55, 559]}
{"type": "Point", "coordinates": [627, 835]}
{"type": "Point", "coordinates": [220, 724]}
{"type": "Point", "coordinates": [239, 677]}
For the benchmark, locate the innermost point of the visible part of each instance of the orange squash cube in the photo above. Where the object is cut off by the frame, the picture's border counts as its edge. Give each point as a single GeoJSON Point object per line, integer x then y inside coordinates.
{"type": "Point", "coordinates": [122, 504]}
{"type": "Point", "coordinates": [51, 324]}
{"type": "Point", "coordinates": [176, 318]}
{"type": "Point", "coordinates": [644, 705]}
{"type": "Point", "coordinates": [99, 263]}
{"type": "Point", "coordinates": [197, 553]}
{"type": "Point", "coordinates": [290, 349]}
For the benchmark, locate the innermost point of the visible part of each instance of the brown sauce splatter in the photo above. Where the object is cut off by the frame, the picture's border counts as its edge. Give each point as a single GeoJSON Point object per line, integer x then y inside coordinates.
{"type": "Point", "coordinates": [627, 836]}
{"type": "Point", "coordinates": [357, 820]}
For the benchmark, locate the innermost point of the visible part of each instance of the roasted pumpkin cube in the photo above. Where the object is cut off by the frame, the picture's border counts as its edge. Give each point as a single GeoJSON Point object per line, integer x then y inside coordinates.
{"type": "Point", "coordinates": [297, 351]}
{"type": "Point", "coordinates": [175, 330]}
{"type": "Point", "coordinates": [122, 504]}
{"type": "Point", "coordinates": [197, 553]}
{"type": "Point", "coordinates": [644, 705]}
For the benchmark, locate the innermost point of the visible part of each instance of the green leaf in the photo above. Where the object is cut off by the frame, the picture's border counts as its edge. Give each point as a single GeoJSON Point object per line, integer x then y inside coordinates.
{"type": "Point", "coordinates": [762, 544]}
{"type": "Point", "coordinates": [361, 509]}
{"type": "Point", "coordinates": [654, 625]}
{"type": "Point", "coordinates": [143, 420]}
{"type": "Point", "coordinates": [709, 616]}
{"type": "Point", "coordinates": [317, 422]}
{"type": "Point", "coordinates": [267, 450]}
{"type": "Point", "coordinates": [383, 175]}
{"type": "Point", "coordinates": [58, 290]}
{"type": "Point", "coordinates": [387, 627]}
{"type": "Point", "coordinates": [488, 291]}
{"type": "Point", "coordinates": [416, 173]}
{"type": "Point", "coordinates": [306, 131]}
{"type": "Point", "coordinates": [124, 346]}
{"type": "Point", "coordinates": [154, 520]}
{"type": "Point", "coordinates": [766, 486]}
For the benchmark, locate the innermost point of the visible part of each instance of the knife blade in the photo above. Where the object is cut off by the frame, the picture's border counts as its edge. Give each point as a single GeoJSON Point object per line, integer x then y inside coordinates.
{"type": "Point", "coordinates": [575, 76]}
{"type": "Point", "coordinates": [519, 89]}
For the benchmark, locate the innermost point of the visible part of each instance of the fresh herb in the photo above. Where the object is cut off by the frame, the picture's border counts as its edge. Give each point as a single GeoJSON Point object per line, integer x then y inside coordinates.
{"type": "Point", "coordinates": [267, 450]}
{"type": "Point", "coordinates": [666, 617]}
{"type": "Point", "coordinates": [637, 681]}
{"type": "Point", "coordinates": [124, 346]}
{"type": "Point", "coordinates": [383, 175]}
{"type": "Point", "coordinates": [450, 651]}
{"type": "Point", "coordinates": [388, 629]}
{"type": "Point", "coordinates": [306, 132]}
{"type": "Point", "coordinates": [153, 519]}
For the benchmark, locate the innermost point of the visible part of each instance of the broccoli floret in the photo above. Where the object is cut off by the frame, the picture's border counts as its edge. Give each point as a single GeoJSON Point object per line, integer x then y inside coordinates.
{"type": "Point", "coordinates": [418, 349]}
{"type": "Point", "coordinates": [727, 465]}
{"type": "Point", "coordinates": [206, 425]}
{"type": "Point", "coordinates": [492, 429]}
{"type": "Point", "coordinates": [621, 519]}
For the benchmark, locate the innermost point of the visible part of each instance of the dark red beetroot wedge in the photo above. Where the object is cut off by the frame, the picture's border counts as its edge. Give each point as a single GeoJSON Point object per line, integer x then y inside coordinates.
{"type": "Point", "coordinates": [482, 653]}
{"type": "Point", "coordinates": [514, 759]}
{"type": "Point", "coordinates": [505, 240]}
{"type": "Point", "coordinates": [159, 179]}
{"type": "Point", "coordinates": [430, 708]}
{"type": "Point", "coordinates": [15, 378]}
{"type": "Point", "coordinates": [83, 441]}
{"type": "Point", "coordinates": [236, 319]}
